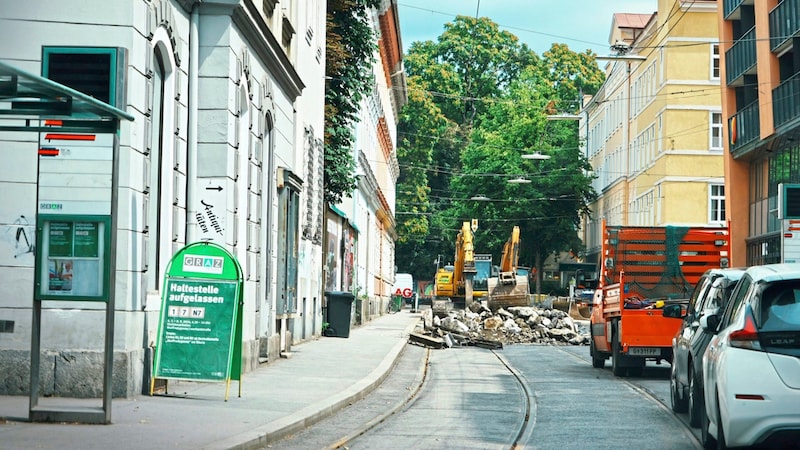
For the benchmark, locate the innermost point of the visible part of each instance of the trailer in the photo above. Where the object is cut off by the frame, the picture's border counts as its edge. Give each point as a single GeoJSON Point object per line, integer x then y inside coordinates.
{"type": "Point", "coordinates": [643, 269]}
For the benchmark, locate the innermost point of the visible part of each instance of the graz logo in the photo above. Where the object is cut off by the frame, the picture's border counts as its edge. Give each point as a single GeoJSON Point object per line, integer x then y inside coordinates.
{"type": "Point", "coordinates": [202, 263]}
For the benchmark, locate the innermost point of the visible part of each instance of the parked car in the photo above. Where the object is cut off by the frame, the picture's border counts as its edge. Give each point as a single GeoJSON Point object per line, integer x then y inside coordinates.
{"type": "Point", "coordinates": [710, 295]}
{"type": "Point", "coordinates": [752, 364]}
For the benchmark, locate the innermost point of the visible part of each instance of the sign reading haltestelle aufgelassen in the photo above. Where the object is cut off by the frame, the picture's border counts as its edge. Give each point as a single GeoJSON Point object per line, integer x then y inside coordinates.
{"type": "Point", "coordinates": [199, 328]}
{"type": "Point", "coordinates": [196, 329]}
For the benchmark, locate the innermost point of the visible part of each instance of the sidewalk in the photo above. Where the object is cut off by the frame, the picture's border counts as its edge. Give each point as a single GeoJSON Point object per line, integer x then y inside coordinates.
{"type": "Point", "coordinates": [280, 398]}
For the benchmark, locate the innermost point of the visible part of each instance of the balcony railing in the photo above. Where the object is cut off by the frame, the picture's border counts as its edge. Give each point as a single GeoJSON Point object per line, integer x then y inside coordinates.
{"type": "Point", "coordinates": [741, 57]}
{"type": "Point", "coordinates": [743, 127]}
{"type": "Point", "coordinates": [729, 6]}
{"type": "Point", "coordinates": [786, 101]}
{"type": "Point", "coordinates": [765, 249]}
{"type": "Point", "coordinates": [784, 23]}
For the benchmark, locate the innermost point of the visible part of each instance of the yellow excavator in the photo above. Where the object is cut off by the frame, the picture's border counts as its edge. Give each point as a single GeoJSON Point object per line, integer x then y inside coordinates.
{"type": "Point", "coordinates": [509, 288]}
{"type": "Point", "coordinates": [456, 282]}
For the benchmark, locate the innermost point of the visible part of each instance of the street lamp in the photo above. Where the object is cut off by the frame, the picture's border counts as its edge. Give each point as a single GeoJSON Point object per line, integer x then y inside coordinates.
{"type": "Point", "coordinates": [480, 198]}
{"type": "Point", "coordinates": [519, 180]}
{"type": "Point", "coordinates": [628, 58]}
{"type": "Point", "coordinates": [563, 117]}
{"type": "Point", "coordinates": [536, 156]}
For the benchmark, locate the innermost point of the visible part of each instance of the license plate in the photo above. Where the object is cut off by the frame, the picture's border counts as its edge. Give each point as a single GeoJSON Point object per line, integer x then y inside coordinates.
{"type": "Point", "coordinates": [644, 351]}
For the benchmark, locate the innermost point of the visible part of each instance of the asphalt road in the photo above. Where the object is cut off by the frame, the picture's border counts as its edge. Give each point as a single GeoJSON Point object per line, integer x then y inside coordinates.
{"type": "Point", "coordinates": [471, 399]}
{"type": "Point", "coordinates": [579, 407]}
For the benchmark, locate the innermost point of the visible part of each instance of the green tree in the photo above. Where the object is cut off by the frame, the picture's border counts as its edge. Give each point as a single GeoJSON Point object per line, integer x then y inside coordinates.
{"type": "Point", "coordinates": [350, 46]}
{"type": "Point", "coordinates": [494, 96]}
{"type": "Point", "coordinates": [550, 207]}
{"type": "Point", "coordinates": [571, 74]}
{"type": "Point", "coordinates": [471, 63]}
{"type": "Point", "coordinates": [419, 239]}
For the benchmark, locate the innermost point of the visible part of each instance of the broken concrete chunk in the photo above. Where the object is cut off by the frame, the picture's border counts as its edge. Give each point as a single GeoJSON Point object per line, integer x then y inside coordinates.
{"type": "Point", "coordinates": [478, 326]}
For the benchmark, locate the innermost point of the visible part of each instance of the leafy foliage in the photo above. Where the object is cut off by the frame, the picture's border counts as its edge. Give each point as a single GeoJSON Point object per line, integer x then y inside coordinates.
{"type": "Point", "coordinates": [571, 74]}
{"type": "Point", "coordinates": [350, 48]}
{"type": "Point", "coordinates": [478, 100]}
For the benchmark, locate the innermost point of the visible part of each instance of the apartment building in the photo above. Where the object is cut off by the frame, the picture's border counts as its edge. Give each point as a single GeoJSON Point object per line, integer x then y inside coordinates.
{"type": "Point", "coordinates": [653, 131]}
{"type": "Point", "coordinates": [761, 108]}
{"type": "Point", "coordinates": [227, 102]}
{"type": "Point", "coordinates": [361, 229]}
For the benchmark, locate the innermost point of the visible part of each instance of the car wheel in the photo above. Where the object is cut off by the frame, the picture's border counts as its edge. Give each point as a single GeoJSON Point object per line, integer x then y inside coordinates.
{"type": "Point", "coordinates": [598, 362]}
{"type": "Point", "coordinates": [635, 371]}
{"type": "Point", "coordinates": [616, 356]}
{"type": "Point", "coordinates": [678, 402]}
{"type": "Point", "coordinates": [696, 402]}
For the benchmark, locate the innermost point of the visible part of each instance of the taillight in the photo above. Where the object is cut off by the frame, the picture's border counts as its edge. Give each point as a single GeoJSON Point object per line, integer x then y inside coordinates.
{"type": "Point", "coordinates": [746, 337]}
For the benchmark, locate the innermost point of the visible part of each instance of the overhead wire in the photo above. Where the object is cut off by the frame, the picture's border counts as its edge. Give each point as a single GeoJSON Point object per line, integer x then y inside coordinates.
{"type": "Point", "coordinates": [702, 126]}
{"type": "Point", "coordinates": [573, 39]}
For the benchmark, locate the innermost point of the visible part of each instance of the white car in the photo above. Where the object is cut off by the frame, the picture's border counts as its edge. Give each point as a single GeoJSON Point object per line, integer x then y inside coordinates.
{"type": "Point", "coordinates": [752, 364]}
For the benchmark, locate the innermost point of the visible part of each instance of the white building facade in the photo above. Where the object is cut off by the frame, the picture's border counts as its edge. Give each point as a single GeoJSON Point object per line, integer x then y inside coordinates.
{"type": "Point", "coordinates": [226, 146]}
{"type": "Point", "coordinates": [365, 222]}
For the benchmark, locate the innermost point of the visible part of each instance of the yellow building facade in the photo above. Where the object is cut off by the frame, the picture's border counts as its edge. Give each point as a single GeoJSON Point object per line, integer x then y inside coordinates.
{"type": "Point", "coordinates": [653, 132]}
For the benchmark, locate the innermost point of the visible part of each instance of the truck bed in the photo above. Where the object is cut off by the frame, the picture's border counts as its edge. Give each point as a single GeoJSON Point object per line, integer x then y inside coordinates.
{"type": "Point", "coordinates": [646, 328]}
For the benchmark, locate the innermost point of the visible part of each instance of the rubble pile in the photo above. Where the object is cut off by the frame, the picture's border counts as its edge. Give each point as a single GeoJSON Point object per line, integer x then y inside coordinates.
{"type": "Point", "coordinates": [478, 325]}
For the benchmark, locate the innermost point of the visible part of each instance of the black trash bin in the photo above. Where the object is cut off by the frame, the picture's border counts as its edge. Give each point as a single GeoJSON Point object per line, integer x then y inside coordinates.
{"type": "Point", "coordinates": [339, 305]}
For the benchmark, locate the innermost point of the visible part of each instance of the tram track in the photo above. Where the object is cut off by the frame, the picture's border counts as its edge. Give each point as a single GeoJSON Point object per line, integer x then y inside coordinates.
{"type": "Point", "coordinates": [529, 421]}
{"type": "Point", "coordinates": [525, 409]}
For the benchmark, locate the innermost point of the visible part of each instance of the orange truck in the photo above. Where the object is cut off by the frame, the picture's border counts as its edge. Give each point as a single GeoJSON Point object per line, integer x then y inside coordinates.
{"type": "Point", "coordinates": [642, 269]}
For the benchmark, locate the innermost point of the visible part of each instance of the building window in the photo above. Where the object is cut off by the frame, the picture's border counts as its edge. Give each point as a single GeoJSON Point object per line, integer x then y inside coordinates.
{"type": "Point", "coordinates": [717, 203]}
{"type": "Point", "coordinates": [716, 131]}
{"type": "Point", "coordinates": [715, 61]}
{"type": "Point", "coordinates": [155, 233]}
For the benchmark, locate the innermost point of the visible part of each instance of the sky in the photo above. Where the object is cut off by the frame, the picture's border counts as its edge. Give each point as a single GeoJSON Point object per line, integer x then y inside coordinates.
{"type": "Point", "coordinates": [581, 24]}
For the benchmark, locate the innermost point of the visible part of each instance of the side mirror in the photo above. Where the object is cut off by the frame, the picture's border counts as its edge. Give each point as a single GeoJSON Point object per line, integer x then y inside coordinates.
{"type": "Point", "coordinates": [710, 322]}
{"type": "Point", "coordinates": [674, 311]}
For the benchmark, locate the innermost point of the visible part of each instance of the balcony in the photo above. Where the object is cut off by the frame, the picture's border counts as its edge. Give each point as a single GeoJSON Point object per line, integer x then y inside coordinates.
{"type": "Point", "coordinates": [740, 59]}
{"type": "Point", "coordinates": [784, 24]}
{"type": "Point", "coordinates": [744, 126]}
{"type": "Point", "coordinates": [764, 249]}
{"type": "Point", "coordinates": [731, 6]}
{"type": "Point", "coordinates": [786, 101]}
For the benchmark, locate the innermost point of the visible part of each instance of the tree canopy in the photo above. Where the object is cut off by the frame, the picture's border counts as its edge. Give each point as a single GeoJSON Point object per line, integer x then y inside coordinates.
{"type": "Point", "coordinates": [478, 101]}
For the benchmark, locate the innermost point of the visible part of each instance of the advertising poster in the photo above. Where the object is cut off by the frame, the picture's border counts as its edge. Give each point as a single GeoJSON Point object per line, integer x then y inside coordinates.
{"type": "Point", "coordinates": [73, 259]}
{"type": "Point", "coordinates": [60, 274]}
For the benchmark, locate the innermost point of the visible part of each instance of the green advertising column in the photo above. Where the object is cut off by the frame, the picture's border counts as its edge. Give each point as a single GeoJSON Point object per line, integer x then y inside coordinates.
{"type": "Point", "coordinates": [200, 325]}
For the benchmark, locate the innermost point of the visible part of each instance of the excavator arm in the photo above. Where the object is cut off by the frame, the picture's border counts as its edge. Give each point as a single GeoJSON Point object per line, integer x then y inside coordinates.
{"type": "Point", "coordinates": [452, 284]}
{"type": "Point", "coordinates": [509, 289]}
{"type": "Point", "coordinates": [510, 258]}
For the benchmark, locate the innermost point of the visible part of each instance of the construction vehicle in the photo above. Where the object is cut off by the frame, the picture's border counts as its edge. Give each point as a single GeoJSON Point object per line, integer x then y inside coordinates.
{"type": "Point", "coordinates": [465, 280]}
{"type": "Point", "coordinates": [510, 286]}
{"type": "Point", "coordinates": [641, 270]}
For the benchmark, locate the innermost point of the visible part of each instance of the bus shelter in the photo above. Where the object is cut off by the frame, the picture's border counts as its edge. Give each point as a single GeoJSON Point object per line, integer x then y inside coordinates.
{"type": "Point", "coordinates": [76, 242]}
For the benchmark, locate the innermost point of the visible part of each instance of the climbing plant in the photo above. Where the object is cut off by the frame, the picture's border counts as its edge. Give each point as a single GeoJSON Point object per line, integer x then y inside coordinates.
{"type": "Point", "coordinates": [350, 49]}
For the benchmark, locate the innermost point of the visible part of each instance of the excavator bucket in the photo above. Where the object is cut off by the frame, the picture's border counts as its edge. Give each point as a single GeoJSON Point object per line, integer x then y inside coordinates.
{"type": "Point", "coordinates": [508, 290]}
